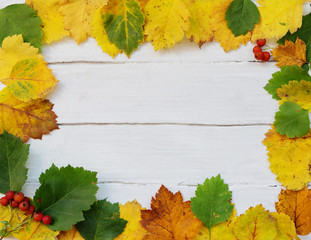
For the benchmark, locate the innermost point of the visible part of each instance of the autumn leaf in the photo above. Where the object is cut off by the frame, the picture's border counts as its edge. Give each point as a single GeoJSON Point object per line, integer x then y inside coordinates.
{"type": "Point", "coordinates": [290, 54]}
{"type": "Point", "coordinates": [99, 33]}
{"type": "Point", "coordinates": [242, 15]}
{"type": "Point", "coordinates": [166, 22]}
{"type": "Point", "coordinates": [71, 234]}
{"type": "Point", "coordinates": [289, 159]}
{"type": "Point", "coordinates": [26, 120]}
{"type": "Point", "coordinates": [297, 205]}
{"type": "Point", "coordinates": [212, 202]}
{"type": "Point", "coordinates": [13, 158]}
{"type": "Point", "coordinates": [64, 193]}
{"type": "Point", "coordinates": [130, 212]}
{"type": "Point", "coordinates": [283, 77]}
{"type": "Point", "coordinates": [30, 79]}
{"type": "Point", "coordinates": [123, 23]}
{"type": "Point", "coordinates": [52, 21]}
{"type": "Point", "coordinates": [292, 120]}
{"type": "Point", "coordinates": [12, 51]}
{"type": "Point", "coordinates": [277, 18]}
{"type": "Point", "coordinates": [21, 19]}
{"type": "Point", "coordinates": [78, 16]}
{"type": "Point", "coordinates": [142, 4]}
{"type": "Point", "coordinates": [33, 230]}
{"type": "Point", "coordinates": [169, 218]}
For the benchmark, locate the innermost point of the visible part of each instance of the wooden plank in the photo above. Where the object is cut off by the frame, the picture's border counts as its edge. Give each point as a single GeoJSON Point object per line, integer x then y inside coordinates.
{"type": "Point", "coordinates": [227, 93]}
{"type": "Point", "coordinates": [178, 155]}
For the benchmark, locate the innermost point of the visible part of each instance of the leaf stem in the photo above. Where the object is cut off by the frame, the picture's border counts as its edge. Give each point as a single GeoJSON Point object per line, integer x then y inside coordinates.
{"type": "Point", "coordinates": [18, 226]}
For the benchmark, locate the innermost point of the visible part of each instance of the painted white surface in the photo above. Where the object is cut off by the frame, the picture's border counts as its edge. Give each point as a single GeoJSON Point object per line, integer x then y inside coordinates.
{"type": "Point", "coordinates": [172, 117]}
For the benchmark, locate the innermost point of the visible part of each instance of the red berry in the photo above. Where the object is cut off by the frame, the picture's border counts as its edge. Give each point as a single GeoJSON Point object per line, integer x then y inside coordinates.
{"type": "Point", "coordinates": [14, 204]}
{"type": "Point", "coordinates": [259, 55]}
{"type": "Point", "coordinates": [38, 216]}
{"type": "Point", "coordinates": [27, 200]}
{"type": "Point", "coordinates": [261, 42]}
{"type": "Point", "coordinates": [10, 195]}
{"type": "Point", "coordinates": [257, 49]}
{"type": "Point", "coordinates": [19, 197]}
{"type": "Point", "coordinates": [47, 220]}
{"type": "Point", "coordinates": [31, 209]}
{"type": "Point", "coordinates": [266, 57]}
{"type": "Point", "coordinates": [23, 206]}
{"type": "Point", "coordinates": [4, 201]}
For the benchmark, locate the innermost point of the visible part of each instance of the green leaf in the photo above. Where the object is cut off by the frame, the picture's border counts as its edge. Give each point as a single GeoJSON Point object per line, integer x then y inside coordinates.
{"type": "Point", "coordinates": [64, 194]}
{"type": "Point", "coordinates": [21, 19]}
{"type": "Point", "coordinates": [212, 202]}
{"type": "Point", "coordinates": [123, 23]}
{"type": "Point", "coordinates": [13, 156]}
{"type": "Point", "coordinates": [241, 16]}
{"type": "Point", "coordinates": [287, 74]}
{"type": "Point", "coordinates": [292, 120]}
{"type": "Point", "coordinates": [102, 222]}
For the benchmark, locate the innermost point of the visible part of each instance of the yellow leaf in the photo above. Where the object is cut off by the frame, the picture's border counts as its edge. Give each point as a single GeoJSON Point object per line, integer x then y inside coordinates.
{"type": "Point", "coordinates": [223, 34]}
{"type": "Point", "coordinates": [277, 18]}
{"type": "Point", "coordinates": [15, 218]}
{"type": "Point", "coordinates": [142, 4]}
{"type": "Point", "coordinates": [26, 120]}
{"type": "Point", "coordinates": [290, 159]}
{"type": "Point", "coordinates": [201, 28]}
{"type": "Point", "coordinates": [52, 21]}
{"type": "Point", "coordinates": [78, 16]}
{"type": "Point", "coordinates": [99, 33]}
{"type": "Point", "coordinates": [255, 224]}
{"type": "Point", "coordinates": [166, 21]}
{"type": "Point", "coordinates": [30, 79]}
{"type": "Point", "coordinates": [286, 229]}
{"type": "Point", "coordinates": [71, 234]}
{"type": "Point", "coordinates": [33, 230]}
{"type": "Point", "coordinates": [12, 51]}
{"type": "Point", "coordinates": [298, 92]}
{"type": "Point", "coordinates": [290, 53]}
{"type": "Point", "coordinates": [131, 213]}
{"type": "Point", "coordinates": [223, 231]}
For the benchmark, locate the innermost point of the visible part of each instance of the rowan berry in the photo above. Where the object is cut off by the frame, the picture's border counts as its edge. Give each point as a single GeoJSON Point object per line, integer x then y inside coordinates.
{"type": "Point", "coordinates": [27, 200]}
{"type": "Point", "coordinates": [257, 49]}
{"type": "Point", "coordinates": [31, 209]}
{"type": "Point", "coordinates": [259, 55]}
{"type": "Point", "coordinates": [14, 204]}
{"type": "Point", "coordinates": [38, 216]}
{"type": "Point", "coordinates": [9, 195]}
{"type": "Point", "coordinates": [261, 42]}
{"type": "Point", "coordinates": [19, 197]}
{"type": "Point", "coordinates": [47, 220]}
{"type": "Point", "coordinates": [4, 201]}
{"type": "Point", "coordinates": [266, 57]}
{"type": "Point", "coordinates": [23, 206]}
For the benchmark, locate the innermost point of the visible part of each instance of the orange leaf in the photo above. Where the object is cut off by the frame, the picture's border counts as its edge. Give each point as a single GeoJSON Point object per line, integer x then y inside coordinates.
{"type": "Point", "coordinates": [291, 53]}
{"type": "Point", "coordinates": [71, 234]}
{"type": "Point", "coordinates": [170, 218]}
{"type": "Point", "coordinates": [297, 205]}
{"type": "Point", "coordinates": [26, 120]}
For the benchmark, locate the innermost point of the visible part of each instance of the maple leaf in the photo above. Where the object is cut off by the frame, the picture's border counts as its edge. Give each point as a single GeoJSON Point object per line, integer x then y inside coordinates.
{"type": "Point", "coordinates": [297, 92]}
{"type": "Point", "coordinates": [242, 15]}
{"type": "Point", "coordinates": [52, 21]}
{"type": "Point", "coordinates": [21, 19]}
{"type": "Point", "coordinates": [292, 120]}
{"type": "Point", "coordinates": [283, 77]}
{"type": "Point", "coordinates": [277, 18]}
{"type": "Point", "coordinates": [26, 120]}
{"type": "Point", "coordinates": [289, 159]}
{"type": "Point", "coordinates": [99, 33]}
{"type": "Point", "coordinates": [33, 230]}
{"type": "Point", "coordinates": [12, 51]}
{"type": "Point", "coordinates": [78, 16]}
{"type": "Point", "coordinates": [212, 202]}
{"type": "Point", "coordinates": [166, 21]}
{"type": "Point", "coordinates": [13, 157]}
{"type": "Point", "coordinates": [130, 212]}
{"type": "Point", "coordinates": [64, 194]}
{"type": "Point", "coordinates": [290, 54]}
{"type": "Point", "coordinates": [222, 231]}
{"type": "Point", "coordinates": [30, 79]}
{"type": "Point", "coordinates": [71, 234]}
{"type": "Point", "coordinates": [169, 218]}
{"type": "Point", "coordinates": [123, 22]}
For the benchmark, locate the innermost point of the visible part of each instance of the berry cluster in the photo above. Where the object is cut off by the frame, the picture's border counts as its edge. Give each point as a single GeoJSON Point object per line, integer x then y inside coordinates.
{"type": "Point", "coordinates": [259, 54]}
{"type": "Point", "coordinates": [18, 200]}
